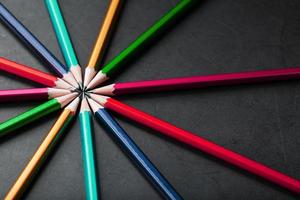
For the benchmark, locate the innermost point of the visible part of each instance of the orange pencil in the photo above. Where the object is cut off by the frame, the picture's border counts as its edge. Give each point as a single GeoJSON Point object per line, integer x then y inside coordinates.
{"type": "Point", "coordinates": [102, 40]}
{"type": "Point", "coordinates": [37, 160]}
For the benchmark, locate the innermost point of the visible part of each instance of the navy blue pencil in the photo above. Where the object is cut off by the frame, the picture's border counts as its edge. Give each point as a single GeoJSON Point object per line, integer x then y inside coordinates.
{"type": "Point", "coordinates": [28, 38]}
{"type": "Point", "coordinates": [135, 153]}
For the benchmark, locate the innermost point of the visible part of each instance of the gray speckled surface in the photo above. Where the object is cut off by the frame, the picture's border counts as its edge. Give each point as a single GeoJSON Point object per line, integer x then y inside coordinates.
{"type": "Point", "coordinates": [260, 121]}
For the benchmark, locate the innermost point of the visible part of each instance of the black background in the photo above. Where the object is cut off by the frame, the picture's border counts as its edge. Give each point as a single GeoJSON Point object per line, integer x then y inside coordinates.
{"type": "Point", "coordinates": [260, 121]}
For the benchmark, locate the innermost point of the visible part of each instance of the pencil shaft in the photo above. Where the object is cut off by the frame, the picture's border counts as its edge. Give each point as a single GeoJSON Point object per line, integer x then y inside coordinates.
{"type": "Point", "coordinates": [40, 155]}
{"type": "Point", "coordinates": [88, 156]}
{"type": "Point", "coordinates": [24, 94]}
{"type": "Point", "coordinates": [206, 81]}
{"type": "Point", "coordinates": [135, 153]}
{"type": "Point", "coordinates": [61, 33]}
{"type": "Point", "coordinates": [28, 38]}
{"type": "Point", "coordinates": [29, 116]}
{"type": "Point", "coordinates": [147, 36]}
{"type": "Point", "coordinates": [204, 145]}
{"type": "Point", "coordinates": [27, 72]}
{"type": "Point", "coordinates": [103, 37]}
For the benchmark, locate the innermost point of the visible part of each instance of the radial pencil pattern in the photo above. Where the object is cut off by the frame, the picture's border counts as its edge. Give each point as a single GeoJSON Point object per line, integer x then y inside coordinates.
{"type": "Point", "coordinates": [83, 90]}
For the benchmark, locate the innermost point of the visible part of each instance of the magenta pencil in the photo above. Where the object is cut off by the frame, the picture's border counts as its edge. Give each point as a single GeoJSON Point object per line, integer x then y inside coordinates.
{"type": "Point", "coordinates": [31, 94]}
{"type": "Point", "coordinates": [199, 81]}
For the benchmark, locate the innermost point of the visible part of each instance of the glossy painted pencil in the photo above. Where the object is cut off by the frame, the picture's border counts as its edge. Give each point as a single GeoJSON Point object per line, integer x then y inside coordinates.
{"type": "Point", "coordinates": [200, 143]}
{"type": "Point", "coordinates": [64, 39]}
{"type": "Point", "coordinates": [31, 94]}
{"type": "Point", "coordinates": [199, 81]}
{"type": "Point", "coordinates": [35, 113]}
{"type": "Point", "coordinates": [134, 152]}
{"type": "Point", "coordinates": [88, 155]}
{"type": "Point", "coordinates": [32, 74]}
{"type": "Point", "coordinates": [102, 40]}
{"type": "Point", "coordinates": [139, 43]}
{"type": "Point", "coordinates": [28, 38]}
{"type": "Point", "coordinates": [43, 151]}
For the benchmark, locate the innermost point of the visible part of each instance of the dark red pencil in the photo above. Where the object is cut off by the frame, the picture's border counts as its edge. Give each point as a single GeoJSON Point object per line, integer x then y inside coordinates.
{"type": "Point", "coordinates": [199, 81]}
{"type": "Point", "coordinates": [32, 94]}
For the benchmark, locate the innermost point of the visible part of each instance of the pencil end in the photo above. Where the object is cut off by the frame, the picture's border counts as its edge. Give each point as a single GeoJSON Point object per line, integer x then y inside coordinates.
{"type": "Point", "coordinates": [97, 80]}
{"type": "Point", "coordinates": [84, 105]}
{"type": "Point", "coordinates": [62, 84]}
{"type": "Point", "coordinates": [68, 77]}
{"type": "Point", "coordinates": [94, 105]}
{"type": "Point", "coordinates": [64, 100]}
{"type": "Point", "coordinates": [105, 90]}
{"type": "Point", "coordinates": [76, 72]}
{"type": "Point", "coordinates": [89, 74]}
{"type": "Point", "coordinates": [73, 105]}
{"type": "Point", "coordinates": [99, 98]}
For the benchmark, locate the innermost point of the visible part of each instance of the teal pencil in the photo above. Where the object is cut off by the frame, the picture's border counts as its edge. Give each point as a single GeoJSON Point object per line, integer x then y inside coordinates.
{"type": "Point", "coordinates": [88, 151]}
{"type": "Point", "coordinates": [64, 39]}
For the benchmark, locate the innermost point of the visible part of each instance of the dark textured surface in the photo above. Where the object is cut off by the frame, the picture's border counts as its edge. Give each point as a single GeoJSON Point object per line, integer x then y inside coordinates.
{"type": "Point", "coordinates": [260, 121]}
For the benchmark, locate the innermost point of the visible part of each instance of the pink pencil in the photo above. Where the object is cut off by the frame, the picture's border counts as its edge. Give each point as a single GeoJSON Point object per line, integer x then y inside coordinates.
{"type": "Point", "coordinates": [199, 81]}
{"type": "Point", "coordinates": [31, 94]}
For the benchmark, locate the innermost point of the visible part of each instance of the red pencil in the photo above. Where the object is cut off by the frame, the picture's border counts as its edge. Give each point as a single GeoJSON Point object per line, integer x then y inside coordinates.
{"type": "Point", "coordinates": [32, 74]}
{"type": "Point", "coordinates": [199, 81]}
{"type": "Point", "coordinates": [199, 143]}
{"type": "Point", "coordinates": [32, 94]}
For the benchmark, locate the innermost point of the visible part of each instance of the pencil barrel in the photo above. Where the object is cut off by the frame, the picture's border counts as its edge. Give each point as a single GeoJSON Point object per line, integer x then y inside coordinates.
{"type": "Point", "coordinates": [39, 157]}
{"type": "Point", "coordinates": [28, 116]}
{"type": "Point", "coordinates": [204, 145]}
{"type": "Point", "coordinates": [136, 154]}
{"type": "Point", "coordinates": [29, 39]}
{"type": "Point", "coordinates": [61, 33]}
{"type": "Point", "coordinates": [89, 165]}
{"type": "Point", "coordinates": [146, 37]}
{"type": "Point", "coordinates": [24, 94]}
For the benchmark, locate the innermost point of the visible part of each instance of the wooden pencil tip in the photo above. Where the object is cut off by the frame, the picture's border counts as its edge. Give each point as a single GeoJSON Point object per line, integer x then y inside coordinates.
{"type": "Point", "coordinates": [70, 79]}
{"type": "Point", "coordinates": [89, 74]}
{"type": "Point", "coordinates": [84, 105]}
{"type": "Point", "coordinates": [94, 105]}
{"type": "Point", "coordinates": [76, 71]}
{"type": "Point", "coordinates": [73, 105]}
{"type": "Point", "coordinates": [60, 83]}
{"type": "Point", "coordinates": [99, 98]}
{"type": "Point", "coordinates": [98, 79]}
{"type": "Point", "coordinates": [64, 100]}
{"type": "Point", "coordinates": [105, 90]}
{"type": "Point", "coordinates": [56, 92]}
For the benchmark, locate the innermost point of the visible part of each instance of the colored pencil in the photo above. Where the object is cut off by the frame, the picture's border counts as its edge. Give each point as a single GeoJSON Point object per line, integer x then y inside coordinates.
{"type": "Point", "coordinates": [28, 38]}
{"type": "Point", "coordinates": [102, 40]}
{"type": "Point", "coordinates": [35, 113]}
{"type": "Point", "coordinates": [88, 155]}
{"type": "Point", "coordinates": [43, 151]}
{"type": "Point", "coordinates": [134, 152]}
{"type": "Point", "coordinates": [32, 74]}
{"type": "Point", "coordinates": [199, 143]}
{"type": "Point", "coordinates": [199, 81]}
{"type": "Point", "coordinates": [64, 39]}
{"type": "Point", "coordinates": [31, 94]}
{"type": "Point", "coordinates": [139, 43]}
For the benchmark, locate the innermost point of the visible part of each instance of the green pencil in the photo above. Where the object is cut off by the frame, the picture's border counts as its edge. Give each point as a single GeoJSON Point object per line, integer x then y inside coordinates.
{"type": "Point", "coordinates": [139, 43]}
{"type": "Point", "coordinates": [35, 113]}
{"type": "Point", "coordinates": [90, 176]}
{"type": "Point", "coordinates": [64, 39]}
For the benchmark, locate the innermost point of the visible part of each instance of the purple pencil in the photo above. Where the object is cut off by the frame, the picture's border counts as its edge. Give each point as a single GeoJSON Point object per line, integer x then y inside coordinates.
{"type": "Point", "coordinates": [31, 94]}
{"type": "Point", "coordinates": [199, 81]}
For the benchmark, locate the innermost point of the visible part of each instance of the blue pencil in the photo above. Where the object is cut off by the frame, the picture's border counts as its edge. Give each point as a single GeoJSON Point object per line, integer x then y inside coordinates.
{"type": "Point", "coordinates": [135, 153]}
{"type": "Point", "coordinates": [28, 38]}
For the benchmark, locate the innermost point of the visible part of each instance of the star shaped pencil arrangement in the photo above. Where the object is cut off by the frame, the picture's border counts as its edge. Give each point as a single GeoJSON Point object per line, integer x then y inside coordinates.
{"type": "Point", "coordinates": [70, 90]}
